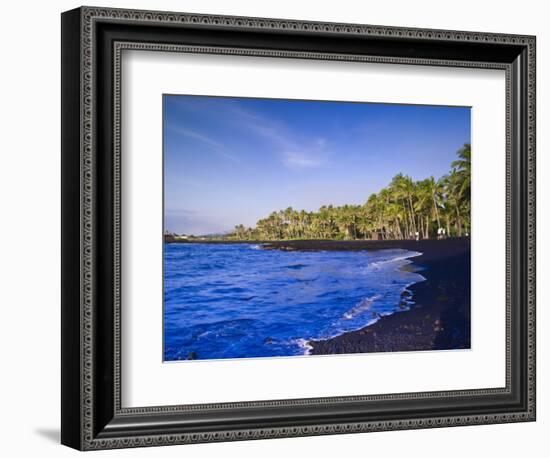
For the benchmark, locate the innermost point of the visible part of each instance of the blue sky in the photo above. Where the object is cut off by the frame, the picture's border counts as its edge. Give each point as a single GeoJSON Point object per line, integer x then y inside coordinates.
{"type": "Point", "coordinates": [231, 161]}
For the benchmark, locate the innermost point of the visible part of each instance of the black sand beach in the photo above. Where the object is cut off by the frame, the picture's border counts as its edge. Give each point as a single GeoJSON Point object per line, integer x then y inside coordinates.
{"type": "Point", "coordinates": [440, 316]}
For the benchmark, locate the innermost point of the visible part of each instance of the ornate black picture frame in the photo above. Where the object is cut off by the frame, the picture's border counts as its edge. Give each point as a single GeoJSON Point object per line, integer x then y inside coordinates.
{"type": "Point", "coordinates": [92, 42]}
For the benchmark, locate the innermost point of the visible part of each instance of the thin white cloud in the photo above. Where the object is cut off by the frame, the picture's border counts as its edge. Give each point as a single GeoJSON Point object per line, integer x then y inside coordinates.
{"type": "Point", "coordinates": [195, 135]}
{"type": "Point", "coordinates": [321, 142]}
{"type": "Point", "coordinates": [294, 160]}
{"type": "Point", "coordinates": [293, 153]}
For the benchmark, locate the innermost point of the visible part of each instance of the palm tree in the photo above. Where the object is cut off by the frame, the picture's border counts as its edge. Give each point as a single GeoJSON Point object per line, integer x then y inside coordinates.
{"type": "Point", "coordinates": [365, 227]}
{"type": "Point", "coordinates": [463, 166]}
{"type": "Point", "coordinates": [454, 185]}
{"type": "Point", "coordinates": [424, 206]}
{"type": "Point", "coordinates": [240, 231]}
{"type": "Point", "coordinates": [404, 188]}
{"type": "Point", "coordinates": [395, 212]}
{"type": "Point", "coordinates": [435, 189]}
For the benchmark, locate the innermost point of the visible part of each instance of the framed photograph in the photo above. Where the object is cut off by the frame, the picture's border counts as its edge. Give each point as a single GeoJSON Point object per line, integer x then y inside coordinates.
{"type": "Point", "coordinates": [276, 228]}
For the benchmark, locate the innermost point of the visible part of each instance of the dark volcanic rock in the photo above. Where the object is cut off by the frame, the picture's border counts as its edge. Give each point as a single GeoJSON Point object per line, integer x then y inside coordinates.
{"type": "Point", "coordinates": [439, 319]}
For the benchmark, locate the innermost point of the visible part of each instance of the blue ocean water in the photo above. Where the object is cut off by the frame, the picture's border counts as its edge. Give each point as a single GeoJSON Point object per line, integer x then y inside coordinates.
{"type": "Point", "coordinates": [241, 301]}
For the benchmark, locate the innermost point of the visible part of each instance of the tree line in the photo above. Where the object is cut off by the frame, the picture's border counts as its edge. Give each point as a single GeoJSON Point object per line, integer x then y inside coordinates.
{"type": "Point", "coordinates": [404, 209]}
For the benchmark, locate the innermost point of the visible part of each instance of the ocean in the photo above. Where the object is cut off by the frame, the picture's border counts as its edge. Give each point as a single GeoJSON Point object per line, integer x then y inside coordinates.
{"type": "Point", "coordinates": [241, 301]}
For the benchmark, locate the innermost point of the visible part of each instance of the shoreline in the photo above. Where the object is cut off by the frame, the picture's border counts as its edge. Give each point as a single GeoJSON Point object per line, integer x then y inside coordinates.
{"type": "Point", "coordinates": [428, 247]}
{"type": "Point", "coordinates": [328, 245]}
{"type": "Point", "coordinates": [439, 319]}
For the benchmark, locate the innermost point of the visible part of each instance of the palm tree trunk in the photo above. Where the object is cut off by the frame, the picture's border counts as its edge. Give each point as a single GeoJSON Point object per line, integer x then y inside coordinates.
{"type": "Point", "coordinates": [436, 211]}
{"type": "Point", "coordinates": [407, 231]}
{"type": "Point", "coordinates": [427, 226]}
{"type": "Point", "coordinates": [459, 223]}
{"type": "Point", "coordinates": [398, 233]}
{"type": "Point", "coordinates": [412, 214]}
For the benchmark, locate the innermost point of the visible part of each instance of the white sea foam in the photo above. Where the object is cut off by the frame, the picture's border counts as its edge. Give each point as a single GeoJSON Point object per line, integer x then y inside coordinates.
{"type": "Point", "coordinates": [402, 257]}
{"type": "Point", "coordinates": [304, 345]}
{"type": "Point", "coordinates": [337, 295]}
{"type": "Point", "coordinates": [363, 306]}
{"type": "Point", "coordinates": [339, 332]}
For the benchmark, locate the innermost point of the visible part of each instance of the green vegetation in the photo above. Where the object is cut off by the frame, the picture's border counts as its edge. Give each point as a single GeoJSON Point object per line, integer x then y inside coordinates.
{"type": "Point", "coordinates": [399, 211]}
